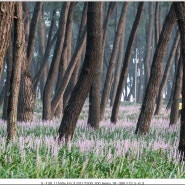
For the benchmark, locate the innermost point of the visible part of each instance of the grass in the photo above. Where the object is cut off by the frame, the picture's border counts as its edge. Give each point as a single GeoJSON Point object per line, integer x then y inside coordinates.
{"type": "Point", "coordinates": [111, 152]}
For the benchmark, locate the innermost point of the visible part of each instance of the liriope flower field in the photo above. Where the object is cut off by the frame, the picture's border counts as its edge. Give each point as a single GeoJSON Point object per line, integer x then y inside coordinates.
{"type": "Point", "coordinates": [114, 151]}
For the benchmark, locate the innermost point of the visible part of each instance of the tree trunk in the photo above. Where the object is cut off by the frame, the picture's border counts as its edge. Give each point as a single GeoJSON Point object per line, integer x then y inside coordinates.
{"type": "Point", "coordinates": [6, 18]}
{"type": "Point", "coordinates": [174, 114]}
{"type": "Point", "coordinates": [109, 75]}
{"type": "Point", "coordinates": [118, 67]}
{"type": "Point", "coordinates": [92, 58]}
{"type": "Point", "coordinates": [166, 74]}
{"type": "Point", "coordinates": [48, 90]}
{"type": "Point", "coordinates": [64, 61]}
{"type": "Point", "coordinates": [26, 94]}
{"type": "Point", "coordinates": [94, 95]}
{"type": "Point", "coordinates": [126, 63]}
{"type": "Point", "coordinates": [157, 22]}
{"type": "Point", "coordinates": [16, 72]}
{"type": "Point", "coordinates": [65, 80]}
{"type": "Point", "coordinates": [50, 42]}
{"type": "Point", "coordinates": [76, 71]}
{"type": "Point", "coordinates": [146, 113]}
{"type": "Point", "coordinates": [168, 107]}
{"type": "Point", "coordinates": [9, 62]}
{"type": "Point", "coordinates": [32, 32]}
{"type": "Point", "coordinates": [148, 54]}
{"type": "Point", "coordinates": [180, 11]}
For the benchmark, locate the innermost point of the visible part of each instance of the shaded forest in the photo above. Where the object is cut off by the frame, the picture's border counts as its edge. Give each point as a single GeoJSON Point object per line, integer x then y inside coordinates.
{"type": "Point", "coordinates": [105, 54]}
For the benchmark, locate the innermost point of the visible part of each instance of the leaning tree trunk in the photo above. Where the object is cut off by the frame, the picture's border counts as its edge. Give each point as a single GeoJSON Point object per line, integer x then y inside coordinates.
{"type": "Point", "coordinates": [92, 58]}
{"type": "Point", "coordinates": [126, 63]}
{"type": "Point", "coordinates": [76, 72]}
{"type": "Point", "coordinates": [19, 55]}
{"type": "Point", "coordinates": [166, 74]}
{"type": "Point", "coordinates": [6, 18]}
{"type": "Point", "coordinates": [180, 11]}
{"type": "Point", "coordinates": [147, 108]}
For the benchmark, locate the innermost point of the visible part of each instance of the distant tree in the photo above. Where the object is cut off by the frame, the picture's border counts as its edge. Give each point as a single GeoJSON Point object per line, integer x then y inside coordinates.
{"type": "Point", "coordinates": [92, 58]}
{"type": "Point", "coordinates": [124, 72]}
{"type": "Point", "coordinates": [109, 75]}
{"type": "Point", "coordinates": [180, 12]}
{"type": "Point", "coordinates": [48, 90]}
{"type": "Point", "coordinates": [76, 71]}
{"type": "Point", "coordinates": [19, 55]}
{"type": "Point", "coordinates": [147, 108]}
{"type": "Point", "coordinates": [6, 18]}
{"type": "Point", "coordinates": [65, 57]}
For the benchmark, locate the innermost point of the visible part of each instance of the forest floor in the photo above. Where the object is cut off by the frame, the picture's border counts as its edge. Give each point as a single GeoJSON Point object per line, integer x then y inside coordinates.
{"type": "Point", "coordinates": [114, 151]}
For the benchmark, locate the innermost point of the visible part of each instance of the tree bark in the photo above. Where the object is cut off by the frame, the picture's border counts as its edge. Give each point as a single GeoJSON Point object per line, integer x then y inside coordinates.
{"type": "Point", "coordinates": [149, 34]}
{"type": "Point", "coordinates": [9, 62]}
{"type": "Point", "coordinates": [126, 63]}
{"type": "Point", "coordinates": [180, 11]}
{"type": "Point", "coordinates": [118, 67]}
{"type": "Point", "coordinates": [174, 114]}
{"type": "Point", "coordinates": [64, 82]}
{"type": "Point", "coordinates": [64, 61]}
{"type": "Point", "coordinates": [166, 74]}
{"type": "Point", "coordinates": [16, 72]}
{"type": "Point", "coordinates": [32, 32]}
{"type": "Point", "coordinates": [50, 42]}
{"type": "Point", "coordinates": [92, 58]}
{"type": "Point", "coordinates": [109, 75]}
{"type": "Point", "coordinates": [6, 18]}
{"type": "Point", "coordinates": [147, 108]}
{"type": "Point", "coordinates": [48, 90]}
{"type": "Point", "coordinates": [76, 71]}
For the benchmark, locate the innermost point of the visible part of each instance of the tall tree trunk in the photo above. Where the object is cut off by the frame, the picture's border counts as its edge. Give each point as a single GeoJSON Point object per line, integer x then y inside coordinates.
{"type": "Point", "coordinates": [50, 42]}
{"type": "Point", "coordinates": [168, 107]}
{"type": "Point", "coordinates": [118, 67]}
{"type": "Point", "coordinates": [109, 75]}
{"type": "Point", "coordinates": [9, 62]}
{"type": "Point", "coordinates": [174, 114]}
{"type": "Point", "coordinates": [146, 113]}
{"type": "Point", "coordinates": [149, 34]}
{"type": "Point", "coordinates": [126, 63]}
{"type": "Point", "coordinates": [76, 72]}
{"type": "Point", "coordinates": [65, 80]}
{"type": "Point", "coordinates": [48, 90]}
{"type": "Point", "coordinates": [92, 58]}
{"type": "Point", "coordinates": [32, 32]}
{"type": "Point", "coordinates": [166, 74]}
{"type": "Point", "coordinates": [157, 22]}
{"type": "Point", "coordinates": [180, 11]}
{"type": "Point", "coordinates": [19, 55]}
{"type": "Point", "coordinates": [26, 94]}
{"type": "Point", "coordinates": [6, 17]}
{"type": "Point", "coordinates": [64, 61]}
{"type": "Point", "coordinates": [94, 95]}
